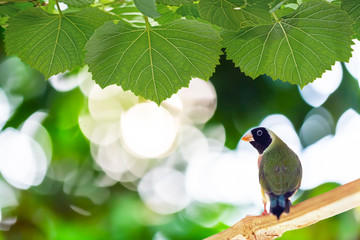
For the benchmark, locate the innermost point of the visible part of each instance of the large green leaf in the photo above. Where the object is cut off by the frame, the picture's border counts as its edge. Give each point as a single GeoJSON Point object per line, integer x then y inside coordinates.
{"type": "Point", "coordinates": [153, 62]}
{"type": "Point", "coordinates": [234, 14]}
{"type": "Point", "coordinates": [52, 43]}
{"type": "Point", "coordinates": [352, 7]}
{"type": "Point", "coordinates": [297, 48]}
{"type": "Point", "coordinates": [78, 3]}
{"type": "Point", "coordinates": [147, 7]}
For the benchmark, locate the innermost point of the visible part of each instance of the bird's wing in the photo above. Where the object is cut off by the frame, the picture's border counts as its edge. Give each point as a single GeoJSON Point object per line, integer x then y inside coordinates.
{"type": "Point", "coordinates": [280, 172]}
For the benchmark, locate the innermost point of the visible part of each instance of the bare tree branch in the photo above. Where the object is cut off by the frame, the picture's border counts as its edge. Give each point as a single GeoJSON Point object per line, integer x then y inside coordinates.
{"type": "Point", "coordinates": [301, 215]}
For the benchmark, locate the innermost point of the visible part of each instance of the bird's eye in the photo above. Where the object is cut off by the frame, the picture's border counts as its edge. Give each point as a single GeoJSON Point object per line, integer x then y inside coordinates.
{"type": "Point", "coordinates": [259, 133]}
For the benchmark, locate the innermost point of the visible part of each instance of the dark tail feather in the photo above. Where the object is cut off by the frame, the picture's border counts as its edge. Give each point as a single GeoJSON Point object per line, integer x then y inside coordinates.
{"type": "Point", "coordinates": [279, 204]}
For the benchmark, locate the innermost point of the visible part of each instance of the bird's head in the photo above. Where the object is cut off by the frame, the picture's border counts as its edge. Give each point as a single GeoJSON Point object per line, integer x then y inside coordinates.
{"type": "Point", "coordinates": [259, 137]}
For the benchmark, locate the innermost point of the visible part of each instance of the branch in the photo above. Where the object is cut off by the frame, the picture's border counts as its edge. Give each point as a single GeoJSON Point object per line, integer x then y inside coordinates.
{"type": "Point", "coordinates": [301, 215]}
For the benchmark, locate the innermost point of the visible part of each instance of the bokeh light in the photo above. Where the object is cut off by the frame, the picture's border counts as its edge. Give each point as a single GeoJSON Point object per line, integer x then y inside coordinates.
{"type": "Point", "coordinates": [27, 150]}
{"type": "Point", "coordinates": [318, 124]}
{"type": "Point", "coordinates": [148, 130]}
{"type": "Point", "coordinates": [20, 81]}
{"type": "Point", "coordinates": [199, 100]}
{"type": "Point", "coordinates": [126, 131]}
{"type": "Point", "coordinates": [8, 199]}
{"type": "Point", "coordinates": [23, 162]}
{"type": "Point", "coordinates": [117, 163]}
{"type": "Point", "coordinates": [64, 82]}
{"type": "Point", "coordinates": [26, 154]}
{"type": "Point", "coordinates": [110, 102]}
{"type": "Point", "coordinates": [163, 190]}
{"type": "Point", "coordinates": [316, 93]}
{"type": "Point", "coordinates": [333, 158]}
{"type": "Point", "coordinates": [354, 62]}
{"type": "Point", "coordinates": [5, 110]}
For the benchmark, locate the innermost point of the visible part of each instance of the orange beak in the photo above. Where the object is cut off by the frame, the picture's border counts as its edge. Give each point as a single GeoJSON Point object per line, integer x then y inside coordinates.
{"type": "Point", "coordinates": [248, 137]}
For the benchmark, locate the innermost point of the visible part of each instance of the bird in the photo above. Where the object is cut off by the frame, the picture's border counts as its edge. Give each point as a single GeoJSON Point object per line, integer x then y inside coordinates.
{"type": "Point", "coordinates": [280, 169]}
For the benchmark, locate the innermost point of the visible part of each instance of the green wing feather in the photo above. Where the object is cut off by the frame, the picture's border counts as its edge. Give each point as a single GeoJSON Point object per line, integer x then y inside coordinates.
{"type": "Point", "coordinates": [280, 170]}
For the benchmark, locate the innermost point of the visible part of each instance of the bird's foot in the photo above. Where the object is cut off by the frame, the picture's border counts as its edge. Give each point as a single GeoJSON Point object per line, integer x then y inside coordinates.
{"type": "Point", "coordinates": [264, 212]}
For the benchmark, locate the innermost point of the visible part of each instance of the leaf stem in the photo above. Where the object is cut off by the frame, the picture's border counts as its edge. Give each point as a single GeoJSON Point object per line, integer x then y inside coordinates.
{"type": "Point", "coordinates": [58, 6]}
{"type": "Point", "coordinates": [275, 17]}
{"type": "Point", "coordinates": [147, 23]}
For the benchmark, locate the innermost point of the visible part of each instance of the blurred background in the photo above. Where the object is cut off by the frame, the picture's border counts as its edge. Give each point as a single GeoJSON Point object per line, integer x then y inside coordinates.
{"type": "Point", "coordinates": [81, 162]}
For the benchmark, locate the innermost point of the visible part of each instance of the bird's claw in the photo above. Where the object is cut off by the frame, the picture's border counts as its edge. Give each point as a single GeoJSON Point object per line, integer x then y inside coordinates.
{"type": "Point", "coordinates": [264, 213]}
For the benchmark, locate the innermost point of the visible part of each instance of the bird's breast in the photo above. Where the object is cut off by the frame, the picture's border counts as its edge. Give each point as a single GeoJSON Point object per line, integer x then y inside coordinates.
{"type": "Point", "coordinates": [259, 160]}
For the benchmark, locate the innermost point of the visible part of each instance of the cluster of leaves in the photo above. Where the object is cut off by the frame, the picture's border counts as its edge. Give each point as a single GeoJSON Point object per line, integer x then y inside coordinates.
{"type": "Point", "coordinates": [154, 47]}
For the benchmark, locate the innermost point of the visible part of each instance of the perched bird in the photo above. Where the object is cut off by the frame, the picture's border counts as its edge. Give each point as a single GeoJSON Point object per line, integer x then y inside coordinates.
{"type": "Point", "coordinates": [280, 169]}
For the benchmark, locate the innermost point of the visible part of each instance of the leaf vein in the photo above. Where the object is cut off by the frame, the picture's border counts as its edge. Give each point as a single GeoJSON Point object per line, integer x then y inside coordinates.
{"type": "Point", "coordinates": [309, 35]}
{"type": "Point", "coordinates": [181, 53]}
{"type": "Point", "coordinates": [292, 53]}
{"type": "Point", "coordinates": [122, 55]}
{"type": "Point", "coordinates": [263, 48]}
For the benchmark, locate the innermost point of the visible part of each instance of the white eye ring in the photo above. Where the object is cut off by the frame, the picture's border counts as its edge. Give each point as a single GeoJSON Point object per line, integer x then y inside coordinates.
{"type": "Point", "coordinates": [259, 133]}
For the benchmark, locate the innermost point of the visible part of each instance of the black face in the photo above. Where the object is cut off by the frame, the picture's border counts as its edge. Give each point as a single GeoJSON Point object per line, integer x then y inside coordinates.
{"type": "Point", "coordinates": [262, 139]}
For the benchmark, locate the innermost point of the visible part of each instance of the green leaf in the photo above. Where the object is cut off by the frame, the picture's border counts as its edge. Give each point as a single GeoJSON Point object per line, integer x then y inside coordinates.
{"type": "Point", "coordinates": [3, 20]}
{"type": "Point", "coordinates": [234, 14]}
{"type": "Point", "coordinates": [352, 7]}
{"type": "Point", "coordinates": [336, 2]}
{"type": "Point", "coordinates": [78, 3]}
{"type": "Point", "coordinates": [189, 10]}
{"type": "Point", "coordinates": [12, 9]}
{"type": "Point", "coordinates": [166, 14]}
{"type": "Point", "coordinates": [130, 14]}
{"type": "Point", "coordinates": [174, 2]}
{"type": "Point", "coordinates": [276, 4]}
{"type": "Point", "coordinates": [153, 62]}
{"type": "Point", "coordinates": [297, 48]}
{"type": "Point", "coordinates": [284, 10]}
{"type": "Point", "coordinates": [52, 43]}
{"type": "Point", "coordinates": [147, 7]}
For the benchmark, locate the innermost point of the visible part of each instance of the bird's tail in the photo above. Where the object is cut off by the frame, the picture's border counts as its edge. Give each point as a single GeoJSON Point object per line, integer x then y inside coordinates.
{"type": "Point", "coordinates": [279, 204]}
